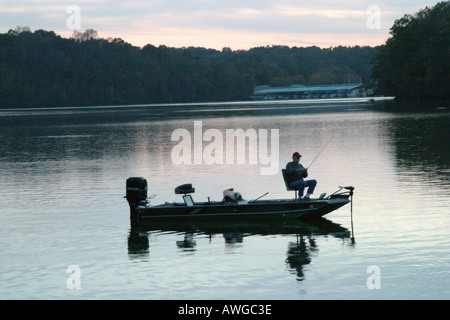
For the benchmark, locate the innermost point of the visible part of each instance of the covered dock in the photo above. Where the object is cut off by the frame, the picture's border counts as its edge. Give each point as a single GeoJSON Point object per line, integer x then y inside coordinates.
{"type": "Point", "coordinates": [309, 92]}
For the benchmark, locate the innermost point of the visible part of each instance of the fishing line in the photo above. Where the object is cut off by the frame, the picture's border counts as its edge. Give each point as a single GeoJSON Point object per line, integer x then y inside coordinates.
{"type": "Point", "coordinates": [320, 153]}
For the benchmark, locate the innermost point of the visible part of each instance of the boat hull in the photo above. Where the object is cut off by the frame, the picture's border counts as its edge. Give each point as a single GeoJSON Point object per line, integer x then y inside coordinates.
{"type": "Point", "coordinates": [293, 209]}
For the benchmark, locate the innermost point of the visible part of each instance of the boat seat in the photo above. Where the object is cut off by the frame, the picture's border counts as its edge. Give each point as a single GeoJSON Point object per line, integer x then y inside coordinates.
{"type": "Point", "coordinates": [184, 189]}
{"type": "Point", "coordinates": [283, 171]}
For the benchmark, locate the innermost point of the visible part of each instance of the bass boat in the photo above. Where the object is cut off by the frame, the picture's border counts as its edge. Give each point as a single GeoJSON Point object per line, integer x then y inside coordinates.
{"type": "Point", "coordinates": [231, 207]}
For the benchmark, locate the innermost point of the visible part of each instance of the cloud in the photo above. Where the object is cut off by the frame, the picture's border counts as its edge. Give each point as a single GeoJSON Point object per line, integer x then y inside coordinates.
{"type": "Point", "coordinates": [213, 23]}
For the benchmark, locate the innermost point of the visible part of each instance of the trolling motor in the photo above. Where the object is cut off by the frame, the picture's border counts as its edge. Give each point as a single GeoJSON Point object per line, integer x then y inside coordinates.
{"type": "Point", "coordinates": [351, 210]}
{"type": "Point", "coordinates": [343, 194]}
{"type": "Point", "coordinates": [348, 193]}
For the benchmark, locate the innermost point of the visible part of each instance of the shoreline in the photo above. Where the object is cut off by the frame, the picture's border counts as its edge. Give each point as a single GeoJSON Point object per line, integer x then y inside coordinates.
{"type": "Point", "coordinates": [254, 103]}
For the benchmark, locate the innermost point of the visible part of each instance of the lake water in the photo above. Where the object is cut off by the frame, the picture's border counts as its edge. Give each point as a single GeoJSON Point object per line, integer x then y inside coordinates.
{"type": "Point", "coordinates": [65, 230]}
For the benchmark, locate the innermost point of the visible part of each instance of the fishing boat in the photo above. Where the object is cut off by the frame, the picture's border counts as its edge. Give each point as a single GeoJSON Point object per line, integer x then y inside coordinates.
{"type": "Point", "coordinates": [232, 206]}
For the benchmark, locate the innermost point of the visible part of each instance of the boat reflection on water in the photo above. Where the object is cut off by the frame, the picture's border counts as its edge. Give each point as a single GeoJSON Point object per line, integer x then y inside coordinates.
{"type": "Point", "coordinates": [298, 252]}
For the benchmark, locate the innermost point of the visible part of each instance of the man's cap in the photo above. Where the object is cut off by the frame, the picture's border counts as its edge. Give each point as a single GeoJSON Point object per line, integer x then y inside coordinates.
{"type": "Point", "coordinates": [296, 154]}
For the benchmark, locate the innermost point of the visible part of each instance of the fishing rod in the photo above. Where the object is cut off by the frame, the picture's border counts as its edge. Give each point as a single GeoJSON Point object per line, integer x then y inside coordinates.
{"type": "Point", "coordinates": [259, 197]}
{"type": "Point", "coordinates": [320, 153]}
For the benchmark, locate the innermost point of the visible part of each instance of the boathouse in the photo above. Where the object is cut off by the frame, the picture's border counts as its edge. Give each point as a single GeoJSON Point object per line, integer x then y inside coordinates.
{"type": "Point", "coordinates": [309, 92]}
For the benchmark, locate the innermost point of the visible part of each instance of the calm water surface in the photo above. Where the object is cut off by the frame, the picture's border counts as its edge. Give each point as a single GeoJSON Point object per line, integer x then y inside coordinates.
{"type": "Point", "coordinates": [63, 182]}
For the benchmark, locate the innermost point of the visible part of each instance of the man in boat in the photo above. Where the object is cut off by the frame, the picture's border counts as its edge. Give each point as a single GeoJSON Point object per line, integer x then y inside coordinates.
{"type": "Point", "coordinates": [295, 173]}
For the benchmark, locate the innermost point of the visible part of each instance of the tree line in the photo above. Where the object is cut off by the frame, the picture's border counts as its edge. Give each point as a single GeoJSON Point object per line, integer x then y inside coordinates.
{"type": "Point", "coordinates": [415, 62]}
{"type": "Point", "coordinates": [43, 69]}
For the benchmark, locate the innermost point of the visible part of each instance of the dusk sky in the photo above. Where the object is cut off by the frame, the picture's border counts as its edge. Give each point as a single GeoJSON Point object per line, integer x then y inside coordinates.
{"type": "Point", "coordinates": [216, 23]}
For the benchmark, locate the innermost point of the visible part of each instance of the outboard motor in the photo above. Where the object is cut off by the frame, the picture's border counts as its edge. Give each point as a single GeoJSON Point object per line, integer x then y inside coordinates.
{"type": "Point", "coordinates": [136, 190]}
{"type": "Point", "coordinates": [136, 193]}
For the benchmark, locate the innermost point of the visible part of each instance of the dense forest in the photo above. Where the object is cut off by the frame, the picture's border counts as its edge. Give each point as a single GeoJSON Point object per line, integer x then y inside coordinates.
{"type": "Point", "coordinates": [42, 69]}
{"type": "Point", "coordinates": [415, 62]}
